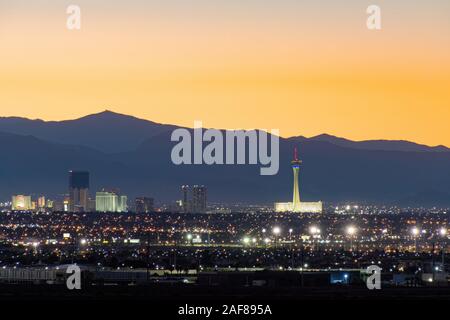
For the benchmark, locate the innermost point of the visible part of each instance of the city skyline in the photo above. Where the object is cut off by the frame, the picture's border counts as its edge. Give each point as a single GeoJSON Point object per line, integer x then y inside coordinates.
{"type": "Point", "coordinates": [135, 155]}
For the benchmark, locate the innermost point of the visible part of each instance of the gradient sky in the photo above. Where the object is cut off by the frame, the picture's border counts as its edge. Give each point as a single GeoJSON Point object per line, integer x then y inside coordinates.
{"type": "Point", "coordinates": [305, 67]}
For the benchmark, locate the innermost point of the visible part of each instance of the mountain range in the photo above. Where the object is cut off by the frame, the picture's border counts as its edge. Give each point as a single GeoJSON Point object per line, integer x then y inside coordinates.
{"type": "Point", "coordinates": [133, 154]}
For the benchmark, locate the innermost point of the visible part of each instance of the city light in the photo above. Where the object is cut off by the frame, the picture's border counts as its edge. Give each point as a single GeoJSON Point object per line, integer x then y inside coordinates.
{"type": "Point", "coordinates": [443, 232]}
{"type": "Point", "coordinates": [276, 231]}
{"type": "Point", "coordinates": [351, 230]}
{"type": "Point", "coordinates": [415, 231]}
{"type": "Point", "coordinates": [314, 230]}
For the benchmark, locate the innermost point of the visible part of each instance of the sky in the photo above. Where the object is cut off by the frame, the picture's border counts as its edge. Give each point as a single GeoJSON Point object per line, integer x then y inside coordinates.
{"type": "Point", "coordinates": [303, 67]}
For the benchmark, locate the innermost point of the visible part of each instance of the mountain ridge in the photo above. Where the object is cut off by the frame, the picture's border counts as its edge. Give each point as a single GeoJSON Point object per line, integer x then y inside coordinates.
{"type": "Point", "coordinates": [109, 122]}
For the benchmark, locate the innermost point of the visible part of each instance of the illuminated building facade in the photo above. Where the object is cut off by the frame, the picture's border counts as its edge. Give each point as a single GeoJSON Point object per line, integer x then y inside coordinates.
{"type": "Point", "coordinates": [42, 202]}
{"type": "Point", "coordinates": [21, 203]}
{"type": "Point", "coordinates": [110, 202]}
{"type": "Point", "coordinates": [296, 205]}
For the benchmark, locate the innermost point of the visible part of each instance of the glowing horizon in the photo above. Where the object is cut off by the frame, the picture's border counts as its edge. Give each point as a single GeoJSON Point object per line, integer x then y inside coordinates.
{"type": "Point", "coordinates": [306, 68]}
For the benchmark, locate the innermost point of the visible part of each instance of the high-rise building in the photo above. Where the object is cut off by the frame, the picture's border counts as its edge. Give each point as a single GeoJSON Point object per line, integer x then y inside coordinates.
{"type": "Point", "coordinates": [144, 205]}
{"type": "Point", "coordinates": [21, 203]}
{"type": "Point", "coordinates": [198, 199]}
{"type": "Point", "coordinates": [49, 204]}
{"type": "Point", "coordinates": [106, 201]}
{"type": "Point", "coordinates": [122, 205]}
{"type": "Point", "coordinates": [185, 202]}
{"type": "Point", "coordinates": [194, 199]}
{"type": "Point", "coordinates": [78, 191]}
{"type": "Point", "coordinates": [41, 202]}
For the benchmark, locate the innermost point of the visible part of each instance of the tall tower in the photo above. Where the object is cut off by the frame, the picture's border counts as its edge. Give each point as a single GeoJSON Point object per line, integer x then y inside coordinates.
{"type": "Point", "coordinates": [199, 199]}
{"type": "Point", "coordinates": [78, 191]}
{"type": "Point", "coordinates": [296, 192]}
{"type": "Point", "coordinates": [186, 202]}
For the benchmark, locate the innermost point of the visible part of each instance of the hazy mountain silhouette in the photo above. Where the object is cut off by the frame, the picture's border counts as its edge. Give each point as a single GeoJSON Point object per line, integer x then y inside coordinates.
{"type": "Point", "coordinates": [386, 145]}
{"type": "Point", "coordinates": [113, 132]}
{"type": "Point", "coordinates": [331, 171]}
{"type": "Point", "coordinates": [106, 131]}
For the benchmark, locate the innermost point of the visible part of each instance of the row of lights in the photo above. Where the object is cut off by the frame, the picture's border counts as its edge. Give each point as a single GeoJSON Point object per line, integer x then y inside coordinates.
{"type": "Point", "coordinates": [415, 231]}
{"type": "Point", "coordinates": [350, 231]}
{"type": "Point", "coordinates": [313, 230]}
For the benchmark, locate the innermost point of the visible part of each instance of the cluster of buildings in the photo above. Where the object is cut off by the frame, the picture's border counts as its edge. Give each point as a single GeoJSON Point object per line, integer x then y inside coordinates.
{"type": "Point", "coordinates": [107, 200]}
{"type": "Point", "coordinates": [194, 199]}
{"type": "Point", "coordinates": [25, 203]}
{"type": "Point", "coordinates": [78, 199]}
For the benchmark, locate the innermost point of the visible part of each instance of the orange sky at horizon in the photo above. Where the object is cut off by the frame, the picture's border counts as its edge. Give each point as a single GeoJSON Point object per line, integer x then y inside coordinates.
{"type": "Point", "coordinates": [282, 72]}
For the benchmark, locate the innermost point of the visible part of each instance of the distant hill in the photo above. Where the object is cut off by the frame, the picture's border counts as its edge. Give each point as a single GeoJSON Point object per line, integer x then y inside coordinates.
{"type": "Point", "coordinates": [106, 131]}
{"type": "Point", "coordinates": [385, 145]}
{"type": "Point", "coordinates": [112, 132]}
{"type": "Point", "coordinates": [333, 169]}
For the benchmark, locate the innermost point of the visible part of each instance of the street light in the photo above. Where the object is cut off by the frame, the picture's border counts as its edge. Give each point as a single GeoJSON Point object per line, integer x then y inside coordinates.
{"type": "Point", "coordinates": [276, 231]}
{"type": "Point", "coordinates": [351, 231]}
{"type": "Point", "coordinates": [415, 232]}
{"type": "Point", "coordinates": [189, 238]}
{"type": "Point", "coordinates": [314, 231]}
{"type": "Point", "coordinates": [443, 233]}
